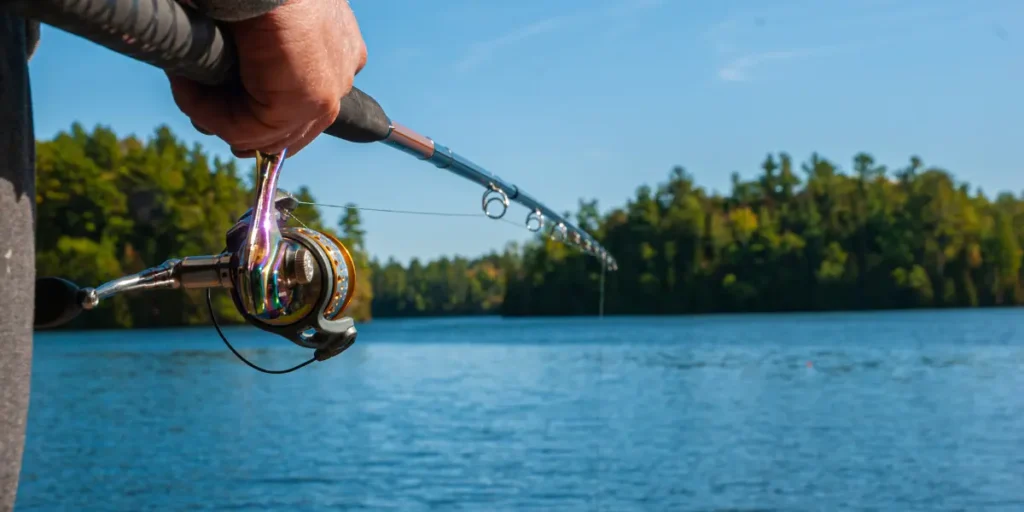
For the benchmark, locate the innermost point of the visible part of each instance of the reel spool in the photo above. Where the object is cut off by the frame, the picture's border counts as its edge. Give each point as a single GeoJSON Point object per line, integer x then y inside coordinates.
{"type": "Point", "coordinates": [315, 283]}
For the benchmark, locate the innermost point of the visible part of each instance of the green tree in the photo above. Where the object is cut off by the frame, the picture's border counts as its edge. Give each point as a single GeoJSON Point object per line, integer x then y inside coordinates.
{"type": "Point", "coordinates": [779, 243]}
{"type": "Point", "coordinates": [824, 240]}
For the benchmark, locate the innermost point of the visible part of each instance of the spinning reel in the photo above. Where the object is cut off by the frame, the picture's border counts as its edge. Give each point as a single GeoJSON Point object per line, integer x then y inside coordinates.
{"type": "Point", "coordinates": [290, 281]}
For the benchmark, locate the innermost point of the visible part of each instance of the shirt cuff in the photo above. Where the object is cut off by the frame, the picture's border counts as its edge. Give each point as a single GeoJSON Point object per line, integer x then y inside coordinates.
{"type": "Point", "coordinates": [234, 10]}
{"type": "Point", "coordinates": [31, 37]}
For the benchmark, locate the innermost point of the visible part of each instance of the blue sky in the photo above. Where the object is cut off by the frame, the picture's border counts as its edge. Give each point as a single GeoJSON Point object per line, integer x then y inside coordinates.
{"type": "Point", "coordinates": [592, 98]}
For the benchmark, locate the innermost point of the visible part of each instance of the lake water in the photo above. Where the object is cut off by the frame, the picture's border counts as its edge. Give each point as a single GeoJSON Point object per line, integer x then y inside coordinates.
{"type": "Point", "coordinates": [874, 411]}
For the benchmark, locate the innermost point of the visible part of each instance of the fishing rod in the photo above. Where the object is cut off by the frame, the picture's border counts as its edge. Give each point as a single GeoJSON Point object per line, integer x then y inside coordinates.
{"type": "Point", "coordinates": [290, 281]}
{"type": "Point", "coordinates": [179, 40]}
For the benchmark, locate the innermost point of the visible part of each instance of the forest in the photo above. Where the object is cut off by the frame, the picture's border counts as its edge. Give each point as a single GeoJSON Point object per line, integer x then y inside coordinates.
{"type": "Point", "coordinates": [808, 236]}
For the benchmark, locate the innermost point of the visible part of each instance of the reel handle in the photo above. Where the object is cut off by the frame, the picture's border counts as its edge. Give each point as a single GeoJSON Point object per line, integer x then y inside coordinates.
{"type": "Point", "coordinates": [58, 301]}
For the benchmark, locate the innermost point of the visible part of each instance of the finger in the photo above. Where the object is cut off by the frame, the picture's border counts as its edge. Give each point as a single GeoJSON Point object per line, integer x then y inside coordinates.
{"type": "Point", "coordinates": [288, 143]}
{"type": "Point", "coordinates": [327, 115]}
{"type": "Point", "coordinates": [300, 144]}
{"type": "Point", "coordinates": [361, 52]}
{"type": "Point", "coordinates": [298, 109]}
{"type": "Point", "coordinates": [301, 111]}
{"type": "Point", "coordinates": [274, 146]}
{"type": "Point", "coordinates": [186, 95]}
{"type": "Point", "coordinates": [200, 129]}
{"type": "Point", "coordinates": [224, 115]}
{"type": "Point", "coordinates": [291, 126]}
{"type": "Point", "coordinates": [302, 137]}
{"type": "Point", "coordinates": [279, 145]}
{"type": "Point", "coordinates": [243, 153]}
{"type": "Point", "coordinates": [316, 129]}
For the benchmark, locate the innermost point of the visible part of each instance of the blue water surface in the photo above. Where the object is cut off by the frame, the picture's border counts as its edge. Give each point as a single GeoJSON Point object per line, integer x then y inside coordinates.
{"type": "Point", "coordinates": [864, 411]}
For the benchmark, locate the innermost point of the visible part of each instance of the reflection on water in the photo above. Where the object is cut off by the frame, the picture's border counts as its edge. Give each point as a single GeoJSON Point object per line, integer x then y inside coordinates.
{"type": "Point", "coordinates": [893, 411]}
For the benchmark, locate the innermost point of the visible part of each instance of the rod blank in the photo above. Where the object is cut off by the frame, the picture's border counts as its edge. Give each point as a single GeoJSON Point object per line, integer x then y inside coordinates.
{"type": "Point", "coordinates": [424, 148]}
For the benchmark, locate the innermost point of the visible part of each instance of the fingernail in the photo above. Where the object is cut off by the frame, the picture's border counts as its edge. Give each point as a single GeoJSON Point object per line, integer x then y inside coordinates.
{"type": "Point", "coordinates": [243, 153]}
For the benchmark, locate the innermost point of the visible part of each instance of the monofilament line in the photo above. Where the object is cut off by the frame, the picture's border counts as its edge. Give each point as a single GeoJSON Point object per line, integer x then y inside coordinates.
{"type": "Point", "coordinates": [391, 210]}
{"type": "Point", "coordinates": [447, 214]}
{"type": "Point", "coordinates": [407, 212]}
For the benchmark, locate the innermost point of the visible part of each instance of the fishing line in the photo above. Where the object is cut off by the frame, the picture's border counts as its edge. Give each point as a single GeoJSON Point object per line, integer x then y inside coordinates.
{"type": "Point", "coordinates": [407, 212]}
{"type": "Point", "coordinates": [254, 366]}
{"type": "Point", "coordinates": [216, 325]}
{"type": "Point", "coordinates": [391, 210]}
{"type": "Point", "coordinates": [303, 224]}
{"type": "Point", "coordinates": [502, 218]}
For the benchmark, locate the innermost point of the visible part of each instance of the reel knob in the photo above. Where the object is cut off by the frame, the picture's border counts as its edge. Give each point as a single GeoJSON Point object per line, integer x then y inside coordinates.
{"type": "Point", "coordinates": [300, 266]}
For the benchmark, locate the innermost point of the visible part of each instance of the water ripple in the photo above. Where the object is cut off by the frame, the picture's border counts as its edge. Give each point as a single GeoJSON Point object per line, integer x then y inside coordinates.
{"type": "Point", "coordinates": [895, 411]}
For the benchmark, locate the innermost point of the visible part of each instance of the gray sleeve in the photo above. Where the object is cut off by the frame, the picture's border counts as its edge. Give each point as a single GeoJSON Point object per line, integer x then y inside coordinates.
{"type": "Point", "coordinates": [234, 10]}
{"type": "Point", "coordinates": [17, 250]}
{"type": "Point", "coordinates": [224, 10]}
{"type": "Point", "coordinates": [31, 38]}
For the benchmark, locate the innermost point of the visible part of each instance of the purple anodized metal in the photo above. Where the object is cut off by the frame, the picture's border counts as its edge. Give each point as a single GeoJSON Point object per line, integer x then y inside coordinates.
{"type": "Point", "coordinates": [262, 255]}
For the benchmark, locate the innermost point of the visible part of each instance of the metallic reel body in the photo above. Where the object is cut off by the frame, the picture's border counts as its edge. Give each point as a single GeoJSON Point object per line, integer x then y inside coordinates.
{"type": "Point", "coordinates": [291, 281]}
{"type": "Point", "coordinates": [315, 285]}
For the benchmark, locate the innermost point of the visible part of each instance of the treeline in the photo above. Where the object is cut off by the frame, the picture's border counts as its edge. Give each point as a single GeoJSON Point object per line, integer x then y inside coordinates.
{"type": "Point", "coordinates": [110, 206]}
{"type": "Point", "coordinates": [447, 286]}
{"type": "Point", "coordinates": [811, 238]}
{"type": "Point", "coordinates": [794, 238]}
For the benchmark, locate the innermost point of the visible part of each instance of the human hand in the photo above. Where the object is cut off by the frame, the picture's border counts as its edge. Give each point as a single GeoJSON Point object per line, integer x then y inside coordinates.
{"type": "Point", "coordinates": [296, 63]}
